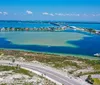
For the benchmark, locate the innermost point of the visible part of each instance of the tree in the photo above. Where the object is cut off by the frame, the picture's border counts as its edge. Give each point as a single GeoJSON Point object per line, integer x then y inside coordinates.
{"type": "Point", "coordinates": [17, 67]}
{"type": "Point", "coordinates": [13, 60]}
{"type": "Point", "coordinates": [89, 79]}
{"type": "Point", "coordinates": [10, 29]}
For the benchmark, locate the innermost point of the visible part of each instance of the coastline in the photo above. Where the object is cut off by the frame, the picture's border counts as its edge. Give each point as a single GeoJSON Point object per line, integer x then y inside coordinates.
{"type": "Point", "coordinates": [72, 43]}
{"type": "Point", "coordinates": [69, 65]}
{"type": "Point", "coordinates": [56, 54]}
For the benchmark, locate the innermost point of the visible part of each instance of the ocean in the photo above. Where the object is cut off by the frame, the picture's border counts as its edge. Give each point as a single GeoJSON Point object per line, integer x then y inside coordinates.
{"type": "Point", "coordinates": [68, 42]}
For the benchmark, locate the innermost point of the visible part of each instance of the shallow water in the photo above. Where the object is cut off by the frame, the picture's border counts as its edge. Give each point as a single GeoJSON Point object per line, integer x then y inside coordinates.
{"type": "Point", "coordinates": [43, 38]}
{"type": "Point", "coordinates": [55, 42]}
{"type": "Point", "coordinates": [68, 42]}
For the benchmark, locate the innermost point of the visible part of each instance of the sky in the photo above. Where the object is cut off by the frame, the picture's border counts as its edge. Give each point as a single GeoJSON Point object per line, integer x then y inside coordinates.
{"type": "Point", "coordinates": [66, 10]}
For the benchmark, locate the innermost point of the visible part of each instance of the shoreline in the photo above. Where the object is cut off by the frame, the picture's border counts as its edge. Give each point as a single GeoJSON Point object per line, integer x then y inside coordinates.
{"type": "Point", "coordinates": [69, 65]}
{"type": "Point", "coordinates": [56, 54]}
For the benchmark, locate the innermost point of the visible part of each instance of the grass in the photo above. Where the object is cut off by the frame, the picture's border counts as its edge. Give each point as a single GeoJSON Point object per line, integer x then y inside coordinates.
{"type": "Point", "coordinates": [54, 60]}
{"type": "Point", "coordinates": [96, 67]}
{"type": "Point", "coordinates": [6, 68]}
{"type": "Point", "coordinates": [96, 81]}
{"type": "Point", "coordinates": [4, 84]}
{"type": "Point", "coordinates": [65, 64]}
{"type": "Point", "coordinates": [24, 71]}
{"type": "Point", "coordinates": [27, 83]}
{"type": "Point", "coordinates": [89, 73]}
{"type": "Point", "coordinates": [51, 59]}
{"type": "Point", "coordinates": [14, 69]}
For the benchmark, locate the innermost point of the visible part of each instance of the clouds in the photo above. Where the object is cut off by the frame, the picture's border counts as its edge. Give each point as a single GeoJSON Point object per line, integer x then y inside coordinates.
{"type": "Point", "coordinates": [22, 13]}
{"type": "Point", "coordinates": [29, 12]}
{"type": "Point", "coordinates": [50, 14]}
{"type": "Point", "coordinates": [70, 14]}
{"type": "Point", "coordinates": [45, 13]}
{"type": "Point", "coordinates": [59, 14]}
{"type": "Point", "coordinates": [3, 13]}
{"type": "Point", "coordinates": [0, 12]}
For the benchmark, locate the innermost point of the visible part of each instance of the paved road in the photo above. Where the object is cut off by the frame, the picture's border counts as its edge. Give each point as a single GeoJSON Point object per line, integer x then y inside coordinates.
{"type": "Point", "coordinates": [51, 74]}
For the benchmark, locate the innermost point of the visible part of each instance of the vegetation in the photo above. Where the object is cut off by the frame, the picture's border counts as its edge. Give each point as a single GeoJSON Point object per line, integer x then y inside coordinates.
{"type": "Point", "coordinates": [6, 68]}
{"type": "Point", "coordinates": [95, 72]}
{"type": "Point", "coordinates": [42, 29]}
{"type": "Point", "coordinates": [51, 59]}
{"type": "Point", "coordinates": [90, 30]}
{"type": "Point", "coordinates": [96, 81]}
{"type": "Point", "coordinates": [72, 71]}
{"type": "Point", "coordinates": [13, 60]}
{"type": "Point", "coordinates": [80, 74]}
{"type": "Point", "coordinates": [96, 67]}
{"type": "Point", "coordinates": [4, 84]}
{"type": "Point", "coordinates": [93, 63]}
{"type": "Point", "coordinates": [56, 61]}
{"type": "Point", "coordinates": [16, 70]}
{"type": "Point", "coordinates": [89, 79]}
{"type": "Point", "coordinates": [27, 83]}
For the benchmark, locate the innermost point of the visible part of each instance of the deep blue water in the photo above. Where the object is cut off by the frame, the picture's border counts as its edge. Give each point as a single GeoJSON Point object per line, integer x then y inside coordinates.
{"type": "Point", "coordinates": [87, 46]}
{"type": "Point", "coordinates": [30, 25]}
{"type": "Point", "coordinates": [23, 24]}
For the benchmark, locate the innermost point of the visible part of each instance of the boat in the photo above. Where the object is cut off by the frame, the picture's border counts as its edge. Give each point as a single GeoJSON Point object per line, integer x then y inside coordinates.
{"type": "Point", "coordinates": [97, 54]}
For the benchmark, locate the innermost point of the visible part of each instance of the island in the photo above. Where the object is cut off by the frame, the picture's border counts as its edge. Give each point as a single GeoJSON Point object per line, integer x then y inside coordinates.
{"type": "Point", "coordinates": [55, 27]}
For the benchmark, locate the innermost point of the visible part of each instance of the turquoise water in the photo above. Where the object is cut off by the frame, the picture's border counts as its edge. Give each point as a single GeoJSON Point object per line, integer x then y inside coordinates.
{"type": "Point", "coordinates": [43, 38]}
{"type": "Point", "coordinates": [23, 24]}
{"type": "Point", "coordinates": [69, 42]}
{"type": "Point", "coordinates": [93, 26]}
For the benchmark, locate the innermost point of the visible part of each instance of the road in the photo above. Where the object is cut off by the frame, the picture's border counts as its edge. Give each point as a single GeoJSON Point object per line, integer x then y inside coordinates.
{"type": "Point", "coordinates": [63, 80]}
